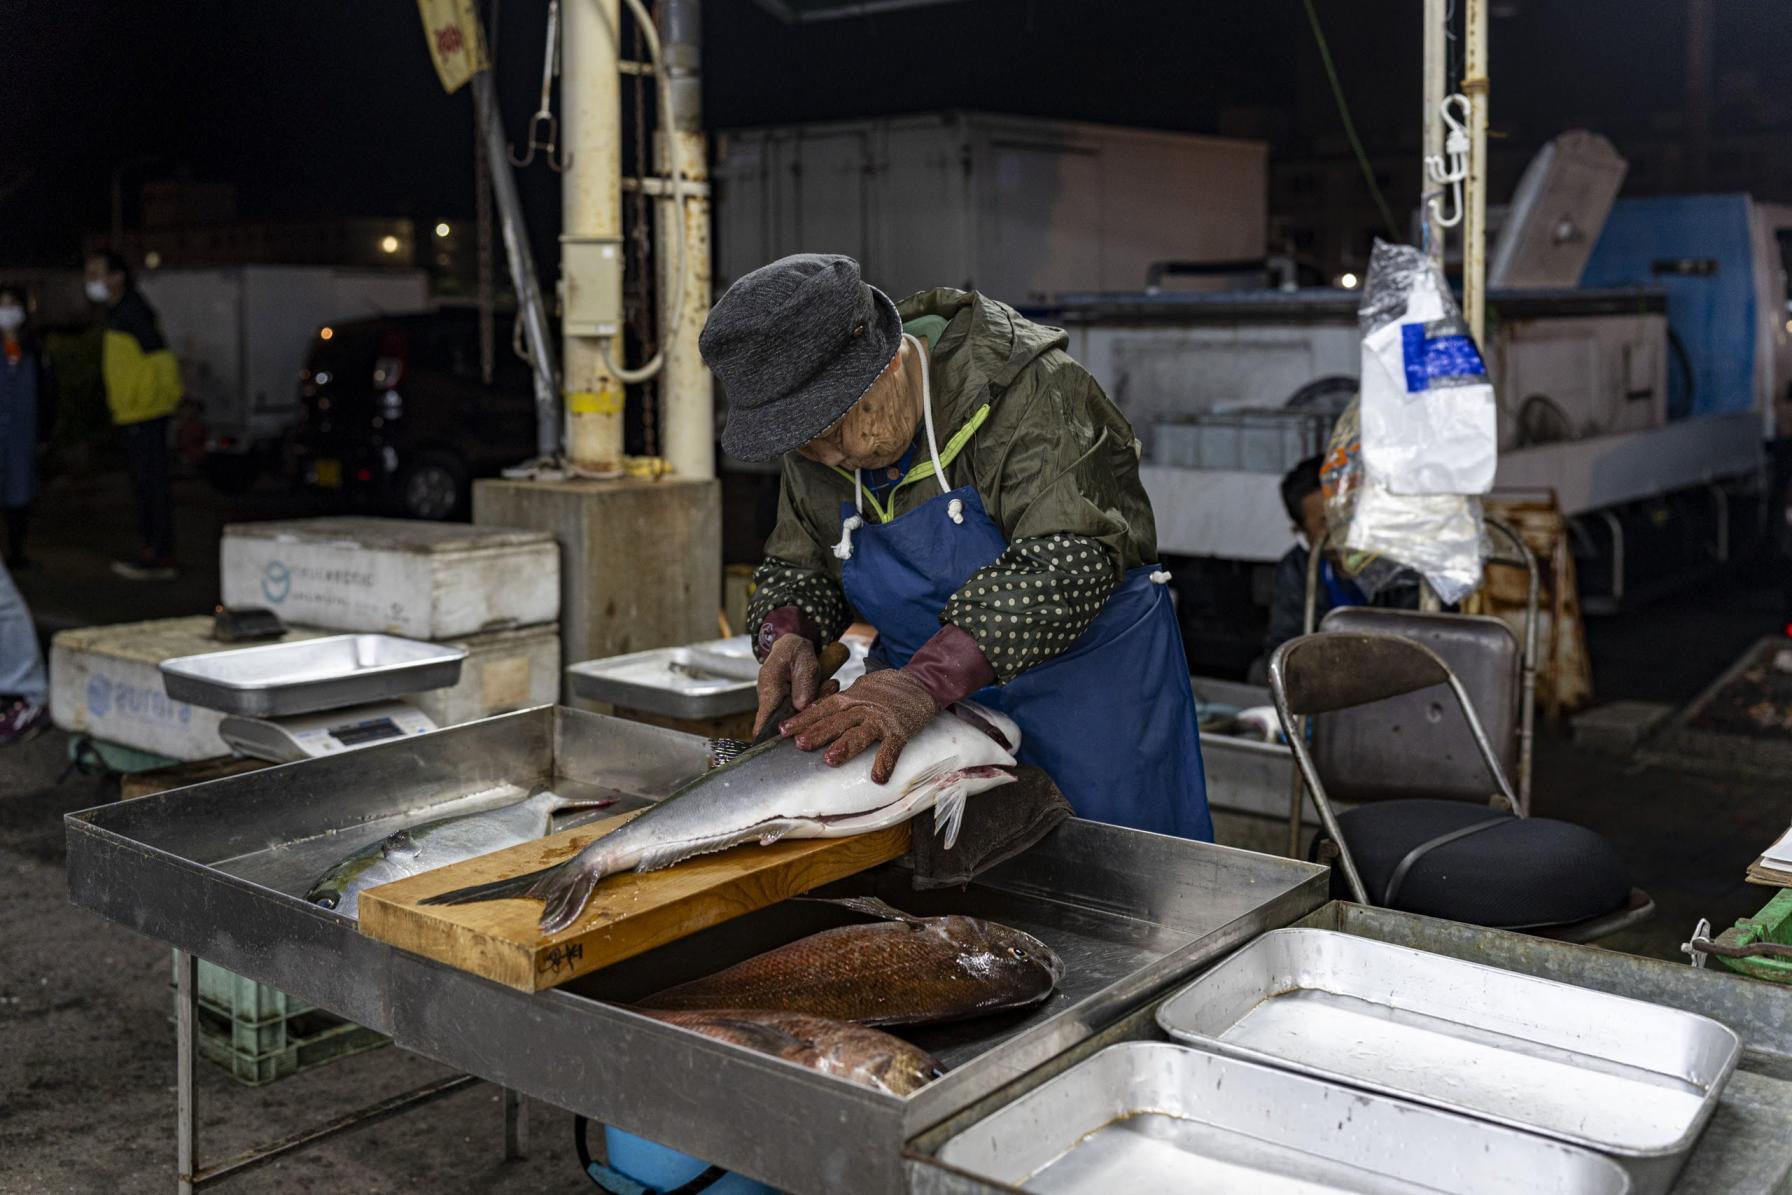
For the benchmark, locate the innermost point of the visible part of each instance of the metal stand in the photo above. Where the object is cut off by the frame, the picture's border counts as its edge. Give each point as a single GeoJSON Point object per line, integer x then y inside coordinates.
{"type": "Point", "coordinates": [190, 1176]}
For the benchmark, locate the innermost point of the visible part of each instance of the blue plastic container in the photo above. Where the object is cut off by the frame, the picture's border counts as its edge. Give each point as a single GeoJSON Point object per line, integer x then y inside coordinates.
{"type": "Point", "coordinates": [653, 1165]}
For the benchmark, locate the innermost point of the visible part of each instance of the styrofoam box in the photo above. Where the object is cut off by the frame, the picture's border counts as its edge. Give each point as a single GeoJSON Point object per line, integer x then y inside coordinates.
{"type": "Point", "coordinates": [431, 581]}
{"type": "Point", "coordinates": [107, 682]}
{"type": "Point", "coordinates": [504, 671]}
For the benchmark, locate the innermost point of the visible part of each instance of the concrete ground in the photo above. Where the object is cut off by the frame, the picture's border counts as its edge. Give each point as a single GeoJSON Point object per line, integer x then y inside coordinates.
{"type": "Point", "coordinates": [86, 1043]}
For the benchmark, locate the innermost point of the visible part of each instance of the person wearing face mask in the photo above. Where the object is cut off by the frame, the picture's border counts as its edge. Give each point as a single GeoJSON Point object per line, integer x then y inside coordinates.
{"type": "Point", "coordinates": [950, 475]}
{"type": "Point", "coordinates": [143, 389]}
{"type": "Point", "coordinates": [21, 385]}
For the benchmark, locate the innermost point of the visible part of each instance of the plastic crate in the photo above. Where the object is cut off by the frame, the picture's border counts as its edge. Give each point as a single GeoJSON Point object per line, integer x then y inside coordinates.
{"type": "Point", "coordinates": [308, 1040]}
{"type": "Point", "coordinates": [260, 1034]}
{"type": "Point", "coordinates": [1268, 441]}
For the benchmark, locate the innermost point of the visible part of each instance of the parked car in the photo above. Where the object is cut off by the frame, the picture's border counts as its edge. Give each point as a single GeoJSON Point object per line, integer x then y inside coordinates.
{"type": "Point", "coordinates": [397, 415]}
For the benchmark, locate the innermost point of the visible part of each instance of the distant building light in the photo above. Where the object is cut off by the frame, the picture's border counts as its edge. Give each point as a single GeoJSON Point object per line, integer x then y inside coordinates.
{"type": "Point", "coordinates": [1347, 280]}
{"type": "Point", "coordinates": [442, 229]}
{"type": "Point", "coordinates": [324, 334]}
{"type": "Point", "coordinates": [389, 243]}
{"type": "Point", "coordinates": [152, 260]}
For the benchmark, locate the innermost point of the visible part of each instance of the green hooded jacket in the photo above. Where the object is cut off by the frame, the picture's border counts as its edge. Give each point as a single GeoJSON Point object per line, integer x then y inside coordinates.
{"type": "Point", "coordinates": [1054, 461]}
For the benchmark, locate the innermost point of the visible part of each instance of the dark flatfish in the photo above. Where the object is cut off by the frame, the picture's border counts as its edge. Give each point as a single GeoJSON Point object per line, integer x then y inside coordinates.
{"type": "Point", "coordinates": [900, 971]}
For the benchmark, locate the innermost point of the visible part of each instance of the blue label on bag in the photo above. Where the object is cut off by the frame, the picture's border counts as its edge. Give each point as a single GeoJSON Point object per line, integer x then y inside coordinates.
{"type": "Point", "coordinates": [1430, 358]}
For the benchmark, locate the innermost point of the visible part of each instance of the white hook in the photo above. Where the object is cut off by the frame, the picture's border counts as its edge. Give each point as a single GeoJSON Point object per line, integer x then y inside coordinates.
{"type": "Point", "coordinates": [1456, 147]}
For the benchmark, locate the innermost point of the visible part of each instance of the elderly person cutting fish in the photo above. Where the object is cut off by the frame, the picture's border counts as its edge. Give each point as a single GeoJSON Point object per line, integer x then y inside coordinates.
{"type": "Point", "coordinates": [954, 478]}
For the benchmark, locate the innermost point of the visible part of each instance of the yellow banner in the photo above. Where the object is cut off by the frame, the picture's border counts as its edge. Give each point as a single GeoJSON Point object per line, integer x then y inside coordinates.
{"type": "Point", "coordinates": [452, 29]}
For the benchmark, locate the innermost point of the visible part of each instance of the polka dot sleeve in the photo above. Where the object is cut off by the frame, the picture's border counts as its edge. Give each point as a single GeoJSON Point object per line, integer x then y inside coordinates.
{"type": "Point", "coordinates": [781, 583]}
{"type": "Point", "coordinates": [1035, 601]}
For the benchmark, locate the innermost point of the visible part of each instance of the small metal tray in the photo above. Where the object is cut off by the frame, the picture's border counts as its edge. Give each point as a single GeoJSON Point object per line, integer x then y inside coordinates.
{"type": "Point", "coordinates": [1632, 1080]}
{"type": "Point", "coordinates": [1152, 1116]}
{"type": "Point", "coordinates": [279, 679]}
{"type": "Point", "coordinates": [714, 679]}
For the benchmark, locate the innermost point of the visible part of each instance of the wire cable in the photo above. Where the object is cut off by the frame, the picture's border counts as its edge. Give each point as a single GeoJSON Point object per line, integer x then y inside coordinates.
{"type": "Point", "coordinates": [1356, 145]}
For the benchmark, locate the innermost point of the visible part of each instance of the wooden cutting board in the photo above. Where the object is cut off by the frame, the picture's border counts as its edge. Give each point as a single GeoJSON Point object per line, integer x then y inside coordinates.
{"type": "Point", "coordinates": [627, 914]}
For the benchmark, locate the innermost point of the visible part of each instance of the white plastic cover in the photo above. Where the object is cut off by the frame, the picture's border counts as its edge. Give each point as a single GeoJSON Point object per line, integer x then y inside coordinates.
{"type": "Point", "coordinates": [1409, 456]}
{"type": "Point", "coordinates": [1430, 424]}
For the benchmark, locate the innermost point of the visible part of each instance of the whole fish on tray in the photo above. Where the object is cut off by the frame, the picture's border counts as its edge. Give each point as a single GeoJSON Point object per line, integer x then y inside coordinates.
{"type": "Point", "coordinates": [868, 1057]}
{"type": "Point", "coordinates": [777, 791]}
{"type": "Point", "coordinates": [901, 971]}
{"type": "Point", "coordinates": [437, 844]}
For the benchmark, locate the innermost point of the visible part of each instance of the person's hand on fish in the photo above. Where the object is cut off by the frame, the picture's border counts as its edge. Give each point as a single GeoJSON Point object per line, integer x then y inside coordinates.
{"type": "Point", "coordinates": [791, 671]}
{"type": "Point", "coordinates": [889, 706]}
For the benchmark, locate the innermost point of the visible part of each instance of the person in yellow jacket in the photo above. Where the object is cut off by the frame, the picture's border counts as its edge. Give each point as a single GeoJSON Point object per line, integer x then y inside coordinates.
{"type": "Point", "coordinates": [143, 389]}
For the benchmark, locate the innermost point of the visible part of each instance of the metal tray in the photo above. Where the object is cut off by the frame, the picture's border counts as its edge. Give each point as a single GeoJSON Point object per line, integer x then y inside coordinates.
{"type": "Point", "coordinates": [714, 679]}
{"type": "Point", "coordinates": [278, 679]}
{"type": "Point", "coordinates": [219, 870]}
{"type": "Point", "coordinates": [1632, 1080]}
{"type": "Point", "coordinates": [1151, 1116]}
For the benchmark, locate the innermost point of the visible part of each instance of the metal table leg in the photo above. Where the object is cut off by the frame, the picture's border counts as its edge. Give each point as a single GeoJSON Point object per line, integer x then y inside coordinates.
{"type": "Point", "coordinates": [516, 1127]}
{"type": "Point", "coordinates": [189, 1177]}
{"type": "Point", "coordinates": [186, 986]}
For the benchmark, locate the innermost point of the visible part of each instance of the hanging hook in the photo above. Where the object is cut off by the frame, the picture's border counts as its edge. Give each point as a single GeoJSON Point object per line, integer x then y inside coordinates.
{"type": "Point", "coordinates": [1456, 151]}
{"type": "Point", "coordinates": [544, 115]}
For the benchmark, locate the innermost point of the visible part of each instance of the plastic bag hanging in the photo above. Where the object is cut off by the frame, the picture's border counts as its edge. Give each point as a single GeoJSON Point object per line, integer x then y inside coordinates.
{"type": "Point", "coordinates": [1430, 422]}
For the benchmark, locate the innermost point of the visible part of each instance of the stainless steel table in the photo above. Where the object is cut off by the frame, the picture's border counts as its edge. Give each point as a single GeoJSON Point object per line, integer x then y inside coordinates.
{"type": "Point", "coordinates": [217, 871]}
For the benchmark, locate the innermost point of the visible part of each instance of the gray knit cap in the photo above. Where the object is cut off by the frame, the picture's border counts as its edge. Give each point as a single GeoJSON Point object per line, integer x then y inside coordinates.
{"type": "Point", "coordinates": [795, 344]}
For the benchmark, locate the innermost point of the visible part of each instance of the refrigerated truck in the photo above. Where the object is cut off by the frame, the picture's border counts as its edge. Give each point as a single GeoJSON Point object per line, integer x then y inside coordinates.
{"type": "Point", "coordinates": [241, 334]}
{"type": "Point", "coordinates": [1653, 399]}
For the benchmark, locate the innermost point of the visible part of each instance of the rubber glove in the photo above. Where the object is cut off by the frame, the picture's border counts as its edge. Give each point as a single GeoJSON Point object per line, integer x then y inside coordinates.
{"type": "Point", "coordinates": [892, 705]}
{"type": "Point", "coordinates": [789, 671]}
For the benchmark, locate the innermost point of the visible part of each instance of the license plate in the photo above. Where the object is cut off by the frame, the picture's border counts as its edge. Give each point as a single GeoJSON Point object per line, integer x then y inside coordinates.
{"type": "Point", "coordinates": [327, 474]}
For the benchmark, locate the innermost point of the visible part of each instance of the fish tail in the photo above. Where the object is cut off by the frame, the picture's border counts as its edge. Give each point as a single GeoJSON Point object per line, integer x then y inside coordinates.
{"type": "Point", "coordinates": [515, 887]}
{"type": "Point", "coordinates": [565, 894]}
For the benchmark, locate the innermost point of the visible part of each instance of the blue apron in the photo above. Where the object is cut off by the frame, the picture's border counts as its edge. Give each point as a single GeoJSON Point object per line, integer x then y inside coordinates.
{"type": "Point", "coordinates": [1111, 720]}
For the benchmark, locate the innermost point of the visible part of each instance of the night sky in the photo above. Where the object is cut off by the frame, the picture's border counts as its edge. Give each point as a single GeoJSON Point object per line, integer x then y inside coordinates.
{"type": "Point", "coordinates": [331, 107]}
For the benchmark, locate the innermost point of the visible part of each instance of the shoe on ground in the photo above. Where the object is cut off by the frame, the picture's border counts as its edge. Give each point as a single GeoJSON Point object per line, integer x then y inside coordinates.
{"type": "Point", "coordinates": [146, 570]}
{"type": "Point", "coordinates": [21, 720]}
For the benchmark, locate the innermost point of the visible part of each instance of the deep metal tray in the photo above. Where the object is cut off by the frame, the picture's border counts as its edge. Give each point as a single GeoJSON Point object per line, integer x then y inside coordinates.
{"type": "Point", "coordinates": [715, 679]}
{"type": "Point", "coordinates": [1151, 1116]}
{"type": "Point", "coordinates": [218, 870]}
{"type": "Point", "coordinates": [1633, 1080]}
{"type": "Point", "coordinates": [303, 677]}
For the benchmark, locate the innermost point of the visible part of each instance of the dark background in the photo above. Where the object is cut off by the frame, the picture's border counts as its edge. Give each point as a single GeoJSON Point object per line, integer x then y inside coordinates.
{"type": "Point", "coordinates": [331, 107]}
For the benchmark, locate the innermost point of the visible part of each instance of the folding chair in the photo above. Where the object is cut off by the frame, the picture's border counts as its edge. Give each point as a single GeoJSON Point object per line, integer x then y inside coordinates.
{"type": "Point", "coordinates": [1452, 855]}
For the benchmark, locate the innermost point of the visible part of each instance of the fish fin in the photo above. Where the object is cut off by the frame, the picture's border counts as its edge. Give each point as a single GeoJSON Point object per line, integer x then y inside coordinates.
{"type": "Point", "coordinates": [516, 887]}
{"type": "Point", "coordinates": [721, 751]}
{"type": "Point", "coordinates": [581, 806]}
{"type": "Point", "coordinates": [933, 775]}
{"type": "Point", "coordinates": [948, 807]}
{"type": "Point", "coordinates": [871, 906]}
{"type": "Point", "coordinates": [558, 804]}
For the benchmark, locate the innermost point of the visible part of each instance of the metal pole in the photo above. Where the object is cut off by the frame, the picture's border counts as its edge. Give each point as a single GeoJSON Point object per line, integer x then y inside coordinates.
{"type": "Point", "coordinates": [685, 383]}
{"type": "Point", "coordinates": [186, 1005]}
{"type": "Point", "coordinates": [1435, 85]}
{"type": "Point", "coordinates": [591, 209]}
{"type": "Point", "coordinates": [1699, 14]}
{"type": "Point", "coordinates": [516, 1127]}
{"type": "Point", "coordinates": [522, 268]}
{"type": "Point", "coordinates": [1474, 222]}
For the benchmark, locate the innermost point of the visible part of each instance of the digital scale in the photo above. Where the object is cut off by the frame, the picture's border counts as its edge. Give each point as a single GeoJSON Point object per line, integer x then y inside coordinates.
{"type": "Point", "coordinates": [315, 697]}
{"type": "Point", "coordinates": [307, 736]}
